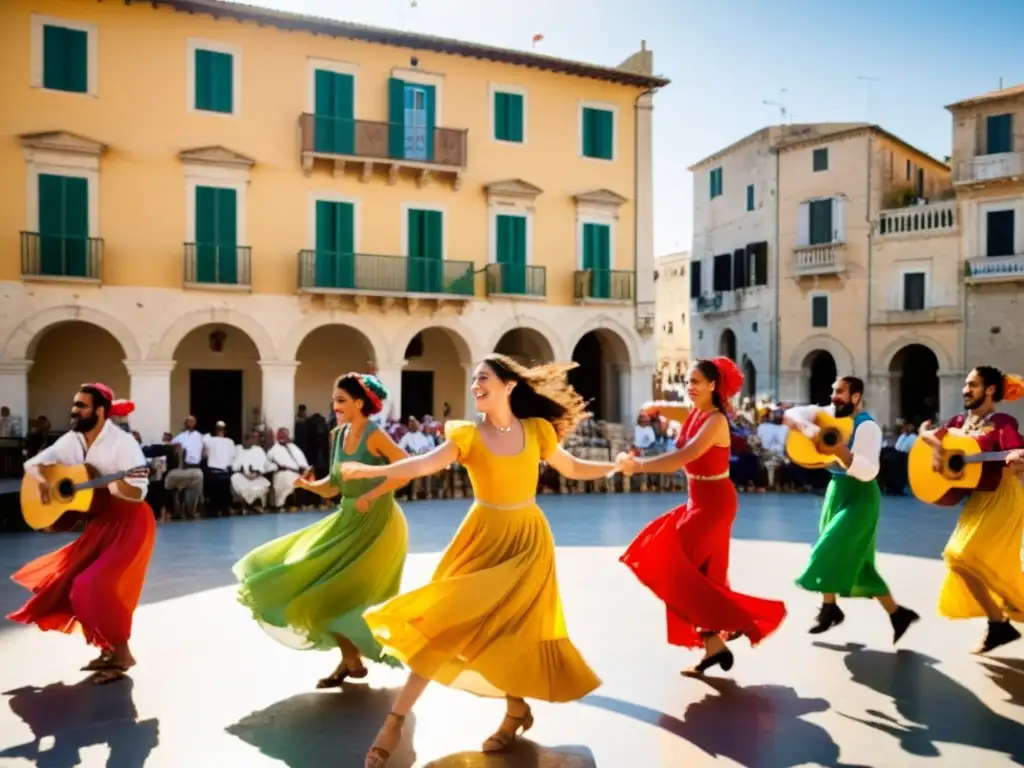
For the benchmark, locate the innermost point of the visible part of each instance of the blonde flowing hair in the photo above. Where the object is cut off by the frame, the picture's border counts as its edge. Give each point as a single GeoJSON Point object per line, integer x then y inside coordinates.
{"type": "Point", "coordinates": [541, 391]}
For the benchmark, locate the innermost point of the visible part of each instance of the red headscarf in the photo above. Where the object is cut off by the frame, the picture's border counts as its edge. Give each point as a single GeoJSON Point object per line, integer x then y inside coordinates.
{"type": "Point", "coordinates": [730, 378]}
{"type": "Point", "coordinates": [118, 408]}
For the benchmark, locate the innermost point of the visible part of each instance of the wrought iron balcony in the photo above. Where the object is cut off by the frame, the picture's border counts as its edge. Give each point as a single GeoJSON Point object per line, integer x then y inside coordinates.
{"type": "Point", "coordinates": [331, 272]}
{"type": "Point", "coordinates": [371, 143]}
{"type": "Point", "coordinates": [523, 280]}
{"type": "Point", "coordinates": [611, 285]}
{"type": "Point", "coordinates": [208, 265]}
{"type": "Point", "coordinates": [61, 257]}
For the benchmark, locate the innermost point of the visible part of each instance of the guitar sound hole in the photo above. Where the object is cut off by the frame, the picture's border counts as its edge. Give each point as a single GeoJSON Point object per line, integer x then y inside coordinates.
{"type": "Point", "coordinates": [956, 464]}
{"type": "Point", "coordinates": [830, 438]}
{"type": "Point", "coordinates": [65, 489]}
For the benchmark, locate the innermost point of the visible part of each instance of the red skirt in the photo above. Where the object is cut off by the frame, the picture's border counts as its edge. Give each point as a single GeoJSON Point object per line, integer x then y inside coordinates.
{"type": "Point", "coordinates": [683, 557]}
{"type": "Point", "coordinates": [95, 581]}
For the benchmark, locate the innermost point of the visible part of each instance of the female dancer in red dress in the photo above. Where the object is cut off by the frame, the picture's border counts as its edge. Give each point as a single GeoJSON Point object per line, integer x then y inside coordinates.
{"type": "Point", "coordinates": [683, 556]}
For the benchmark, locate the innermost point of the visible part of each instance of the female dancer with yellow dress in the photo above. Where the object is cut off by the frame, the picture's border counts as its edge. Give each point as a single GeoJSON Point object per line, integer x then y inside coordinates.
{"type": "Point", "coordinates": [490, 621]}
{"type": "Point", "coordinates": [984, 553]}
{"type": "Point", "coordinates": [309, 589]}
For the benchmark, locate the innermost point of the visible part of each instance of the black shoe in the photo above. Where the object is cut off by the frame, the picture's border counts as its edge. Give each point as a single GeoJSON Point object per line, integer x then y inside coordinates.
{"type": "Point", "coordinates": [901, 620]}
{"type": "Point", "coordinates": [999, 633]}
{"type": "Point", "coordinates": [723, 659]}
{"type": "Point", "coordinates": [829, 616]}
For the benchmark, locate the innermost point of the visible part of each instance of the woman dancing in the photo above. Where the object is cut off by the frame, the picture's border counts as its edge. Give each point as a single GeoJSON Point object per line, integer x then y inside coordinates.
{"type": "Point", "coordinates": [309, 589]}
{"type": "Point", "coordinates": [683, 556]}
{"type": "Point", "coordinates": [490, 621]}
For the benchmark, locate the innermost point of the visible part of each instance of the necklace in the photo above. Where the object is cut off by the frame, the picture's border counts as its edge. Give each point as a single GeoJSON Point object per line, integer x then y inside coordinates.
{"type": "Point", "coordinates": [504, 429]}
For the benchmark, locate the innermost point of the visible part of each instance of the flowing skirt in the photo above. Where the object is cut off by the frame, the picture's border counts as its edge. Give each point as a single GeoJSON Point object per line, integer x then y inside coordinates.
{"type": "Point", "coordinates": [843, 560]}
{"type": "Point", "coordinates": [987, 542]}
{"type": "Point", "coordinates": [683, 558]}
{"type": "Point", "coordinates": [94, 583]}
{"type": "Point", "coordinates": [490, 621]}
{"type": "Point", "coordinates": [307, 586]}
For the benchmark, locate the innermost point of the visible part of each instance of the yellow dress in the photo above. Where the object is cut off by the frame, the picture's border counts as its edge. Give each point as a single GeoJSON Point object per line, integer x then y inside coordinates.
{"type": "Point", "coordinates": [490, 621]}
{"type": "Point", "coordinates": [987, 538]}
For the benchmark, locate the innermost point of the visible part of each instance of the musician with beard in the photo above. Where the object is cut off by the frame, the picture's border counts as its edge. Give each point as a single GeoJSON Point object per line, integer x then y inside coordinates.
{"type": "Point", "coordinates": [94, 583]}
{"type": "Point", "coordinates": [984, 553]}
{"type": "Point", "coordinates": [842, 562]}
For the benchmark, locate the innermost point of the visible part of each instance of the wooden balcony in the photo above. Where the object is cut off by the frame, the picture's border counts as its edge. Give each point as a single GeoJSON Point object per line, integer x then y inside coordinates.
{"type": "Point", "coordinates": [364, 276]}
{"type": "Point", "coordinates": [995, 269]}
{"type": "Point", "coordinates": [218, 267]}
{"type": "Point", "coordinates": [819, 260]}
{"type": "Point", "coordinates": [517, 281]}
{"type": "Point", "coordinates": [613, 286]}
{"type": "Point", "coordinates": [930, 220]}
{"type": "Point", "coordinates": [61, 258]}
{"type": "Point", "coordinates": [372, 144]}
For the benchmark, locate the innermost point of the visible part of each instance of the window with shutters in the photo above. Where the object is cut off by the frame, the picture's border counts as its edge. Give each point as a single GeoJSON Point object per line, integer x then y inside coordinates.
{"type": "Point", "coordinates": [333, 106]}
{"type": "Point", "coordinates": [214, 78]}
{"type": "Point", "coordinates": [63, 225]}
{"type": "Point", "coordinates": [64, 55]}
{"type": "Point", "coordinates": [1000, 229]}
{"type": "Point", "coordinates": [819, 160]}
{"type": "Point", "coordinates": [722, 273]}
{"type": "Point", "coordinates": [914, 287]}
{"type": "Point", "coordinates": [597, 132]}
{"type": "Point", "coordinates": [998, 134]}
{"type": "Point", "coordinates": [750, 197]}
{"type": "Point", "coordinates": [509, 114]}
{"type": "Point", "coordinates": [695, 279]}
{"type": "Point", "coordinates": [757, 258]}
{"type": "Point", "coordinates": [715, 177]}
{"type": "Point", "coordinates": [740, 269]}
{"type": "Point", "coordinates": [819, 310]}
{"type": "Point", "coordinates": [820, 224]}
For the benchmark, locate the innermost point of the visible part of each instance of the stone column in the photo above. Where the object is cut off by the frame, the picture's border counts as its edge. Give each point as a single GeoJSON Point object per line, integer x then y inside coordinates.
{"type": "Point", "coordinates": [879, 398]}
{"type": "Point", "coordinates": [469, 402]}
{"type": "Point", "coordinates": [641, 380]}
{"type": "Point", "coordinates": [14, 389]}
{"type": "Point", "coordinates": [391, 376]}
{"type": "Point", "coordinates": [279, 393]}
{"type": "Point", "coordinates": [951, 397]}
{"type": "Point", "coordinates": [151, 393]}
{"type": "Point", "coordinates": [793, 387]}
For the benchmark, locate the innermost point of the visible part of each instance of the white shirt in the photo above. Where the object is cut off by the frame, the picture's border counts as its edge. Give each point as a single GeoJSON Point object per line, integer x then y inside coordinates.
{"type": "Point", "coordinates": [773, 437]}
{"type": "Point", "coordinates": [251, 460]}
{"type": "Point", "coordinates": [220, 451]}
{"type": "Point", "coordinates": [905, 442]}
{"type": "Point", "coordinates": [192, 443]}
{"type": "Point", "coordinates": [867, 441]}
{"type": "Point", "coordinates": [114, 450]}
{"type": "Point", "coordinates": [643, 436]}
{"type": "Point", "coordinates": [288, 456]}
{"type": "Point", "coordinates": [415, 442]}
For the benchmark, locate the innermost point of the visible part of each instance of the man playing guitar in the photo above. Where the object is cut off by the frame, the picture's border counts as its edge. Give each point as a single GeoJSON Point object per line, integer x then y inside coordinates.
{"type": "Point", "coordinates": [94, 583]}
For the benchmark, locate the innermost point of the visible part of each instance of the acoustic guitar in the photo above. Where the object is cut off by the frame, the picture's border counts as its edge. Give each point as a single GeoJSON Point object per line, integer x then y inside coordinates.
{"type": "Point", "coordinates": [71, 491]}
{"type": "Point", "coordinates": [805, 452]}
{"type": "Point", "coordinates": [961, 470]}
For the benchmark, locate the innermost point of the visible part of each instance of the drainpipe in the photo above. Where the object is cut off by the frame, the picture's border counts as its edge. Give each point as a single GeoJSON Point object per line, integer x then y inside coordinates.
{"type": "Point", "coordinates": [636, 197]}
{"type": "Point", "coordinates": [777, 339]}
{"type": "Point", "coordinates": [871, 243]}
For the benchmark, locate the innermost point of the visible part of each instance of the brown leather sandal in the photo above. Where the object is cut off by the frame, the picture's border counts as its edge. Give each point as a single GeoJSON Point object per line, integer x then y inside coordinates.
{"type": "Point", "coordinates": [378, 757]}
{"type": "Point", "coordinates": [509, 731]}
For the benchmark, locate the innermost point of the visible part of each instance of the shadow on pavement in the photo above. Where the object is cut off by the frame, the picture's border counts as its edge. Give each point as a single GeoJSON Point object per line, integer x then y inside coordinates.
{"type": "Point", "coordinates": [757, 726]}
{"type": "Point", "coordinates": [523, 754]}
{"type": "Point", "coordinates": [935, 707]}
{"type": "Point", "coordinates": [325, 730]}
{"type": "Point", "coordinates": [79, 716]}
{"type": "Point", "coordinates": [1008, 674]}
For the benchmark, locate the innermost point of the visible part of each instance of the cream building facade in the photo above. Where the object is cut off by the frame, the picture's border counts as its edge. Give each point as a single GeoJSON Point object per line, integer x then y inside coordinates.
{"type": "Point", "coordinates": [138, 138]}
{"type": "Point", "coordinates": [672, 321]}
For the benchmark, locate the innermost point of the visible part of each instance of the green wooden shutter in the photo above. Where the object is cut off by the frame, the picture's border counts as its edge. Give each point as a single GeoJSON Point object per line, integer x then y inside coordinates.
{"type": "Point", "coordinates": [206, 235]}
{"type": "Point", "coordinates": [508, 117]}
{"type": "Point", "coordinates": [501, 116]}
{"type": "Point", "coordinates": [335, 244]}
{"type": "Point", "coordinates": [602, 267]}
{"type": "Point", "coordinates": [415, 259]}
{"type": "Point", "coordinates": [604, 134]}
{"type": "Point", "coordinates": [63, 225]}
{"type": "Point", "coordinates": [227, 236]}
{"type": "Point", "coordinates": [214, 81]}
{"type": "Point", "coordinates": [511, 253]}
{"type": "Point", "coordinates": [433, 243]}
{"type": "Point", "coordinates": [76, 227]}
{"type": "Point", "coordinates": [431, 119]}
{"type": "Point", "coordinates": [396, 118]}
{"type": "Point", "coordinates": [588, 133]}
{"type": "Point", "coordinates": [334, 112]}
{"type": "Point", "coordinates": [999, 130]}
{"type": "Point", "coordinates": [65, 59]}
{"type": "Point", "coordinates": [204, 79]}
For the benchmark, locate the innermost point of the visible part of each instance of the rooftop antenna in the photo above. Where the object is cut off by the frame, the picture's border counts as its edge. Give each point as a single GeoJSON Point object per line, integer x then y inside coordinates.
{"type": "Point", "coordinates": [867, 85]}
{"type": "Point", "coordinates": [404, 7]}
{"type": "Point", "coordinates": [781, 104]}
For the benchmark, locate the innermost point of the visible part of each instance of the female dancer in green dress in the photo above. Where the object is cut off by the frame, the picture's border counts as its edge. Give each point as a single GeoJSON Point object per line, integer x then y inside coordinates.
{"type": "Point", "coordinates": [309, 589]}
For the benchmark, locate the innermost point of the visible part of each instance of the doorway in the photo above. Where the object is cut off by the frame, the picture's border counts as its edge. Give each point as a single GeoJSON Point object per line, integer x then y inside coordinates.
{"type": "Point", "coordinates": [417, 394]}
{"type": "Point", "coordinates": [415, 123]}
{"type": "Point", "coordinates": [216, 396]}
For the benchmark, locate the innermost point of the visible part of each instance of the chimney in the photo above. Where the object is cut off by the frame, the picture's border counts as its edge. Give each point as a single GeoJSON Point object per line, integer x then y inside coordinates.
{"type": "Point", "coordinates": [641, 62]}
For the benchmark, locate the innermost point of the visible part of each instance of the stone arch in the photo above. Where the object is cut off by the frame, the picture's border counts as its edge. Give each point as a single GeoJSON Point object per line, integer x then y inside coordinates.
{"type": "Point", "coordinates": [892, 350]}
{"type": "Point", "coordinates": [604, 373]}
{"type": "Point", "coordinates": [466, 344]}
{"type": "Point", "coordinates": [21, 344]}
{"type": "Point", "coordinates": [435, 357]}
{"type": "Point", "coordinates": [820, 371]}
{"type": "Point", "coordinates": [799, 359]}
{"type": "Point", "coordinates": [727, 345]}
{"type": "Point", "coordinates": [290, 346]}
{"type": "Point", "coordinates": [617, 330]}
{"type": "Point", "coordinates": [184, 325]}
{"type": "Point", "coordinates": [351, 349]}
{"type": "Point", "coordinates": [554, 341]}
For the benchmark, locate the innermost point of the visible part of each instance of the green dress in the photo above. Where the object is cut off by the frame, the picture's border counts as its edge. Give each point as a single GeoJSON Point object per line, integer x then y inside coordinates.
{"type": "Point", "coordinates": [843, 561]}
{"type": "Point", "coordinates": [316, 582]}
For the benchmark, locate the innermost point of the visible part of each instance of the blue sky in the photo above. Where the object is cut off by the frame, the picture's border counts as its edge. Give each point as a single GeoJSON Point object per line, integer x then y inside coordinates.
{"type": "Point", "coordinates": [725, 57]}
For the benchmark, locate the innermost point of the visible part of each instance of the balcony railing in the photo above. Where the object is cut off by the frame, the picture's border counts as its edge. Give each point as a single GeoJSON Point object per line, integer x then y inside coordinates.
{"type": "Point", "coordinates": [927, 316]}
{"type": "Point", "coordinates": [824, 259]}
{"type": "Point", "coordinates": [61, 257]}
{"type": "Point", "coordinates": [369, 274]}
{"type": "Point", "coordinates": [369, 141]}
{"type": "Point", "coordinates": [210, 265]}
{"type": "Point", "coordinates": [613, 285]}
{"type": "Point", "coordinates": [996, 269]}
{"type": "Point", "coordinates": [919, 220]}
{"type": "Point", "coordinates": [720, 301]}
{"type": "Point", "coordinates": [517, 280]}
{"type": "Point", "coordinates": [997, 165]}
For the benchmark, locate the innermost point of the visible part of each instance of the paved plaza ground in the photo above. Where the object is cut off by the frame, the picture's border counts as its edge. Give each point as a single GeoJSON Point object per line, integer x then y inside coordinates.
{"type": "Point", "coordinates": [212, 689]}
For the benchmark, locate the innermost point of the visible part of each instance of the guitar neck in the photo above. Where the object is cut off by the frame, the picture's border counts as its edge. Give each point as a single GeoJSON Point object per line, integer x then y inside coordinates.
{"type": "Point", "coordinates": [104, 480]}
{"type": "Point", "coordinates": [984, 458]}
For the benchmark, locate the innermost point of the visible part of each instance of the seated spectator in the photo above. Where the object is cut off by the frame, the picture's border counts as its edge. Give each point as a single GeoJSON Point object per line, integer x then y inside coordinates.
{"type": "Point", "coordinates": [185, 482]}
{"type": "Point", "coordinates": [249, 482]}
{"type": "Point", "coordinates": [220, 451]}
{"type": "Point", "coordinates": [644, 436]}
{"type": "Point", "coordinates": [288, 463]}
{"type": "Point", "coordinates": [892, 474]}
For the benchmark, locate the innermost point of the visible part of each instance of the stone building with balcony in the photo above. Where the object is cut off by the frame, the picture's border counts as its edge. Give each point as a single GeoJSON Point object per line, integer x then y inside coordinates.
{"type": "Point", "coordinates": [988, 163]}
{"type": "Point", "coordinates": [217, 209]}
{"type": "Point", "coordinates": [672, 319]}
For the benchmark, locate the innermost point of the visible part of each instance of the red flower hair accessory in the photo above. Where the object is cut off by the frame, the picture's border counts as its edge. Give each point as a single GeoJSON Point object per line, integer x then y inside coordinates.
{"type": "Point", "coordinates": [730, 378]}
{"type": "Point", "coordinates": [1013, 387]}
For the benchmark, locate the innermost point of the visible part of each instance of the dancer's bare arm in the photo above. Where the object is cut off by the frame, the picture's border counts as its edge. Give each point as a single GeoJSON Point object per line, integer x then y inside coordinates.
{"type": "Point", "coordinates": [406, 469]}
{"type": "Point", "coordinates": [714, 432]}
{"type": "Point", "coordinates": [381, 445]}
{"type": "Point", "coordinates": [573, 468]}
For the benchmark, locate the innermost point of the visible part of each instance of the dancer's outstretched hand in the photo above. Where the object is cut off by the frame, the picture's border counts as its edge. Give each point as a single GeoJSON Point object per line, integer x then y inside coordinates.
{"type": "Point", "coordinates": [1016, 460]}
{"type": "Point", "coordinates": [362, 505]}
{"type": "Point", "coordinates": [353, 470]}
{"type": "Point", "coordinates": [305, 479]}
{"type": "Point", "coordinates": [625, 463]}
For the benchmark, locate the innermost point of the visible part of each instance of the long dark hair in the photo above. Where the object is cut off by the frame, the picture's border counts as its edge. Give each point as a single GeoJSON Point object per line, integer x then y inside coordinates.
{"type": "Point", "coordinates": [541, 392]}
{"type": "Point", "coordinates": [710, 372]}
